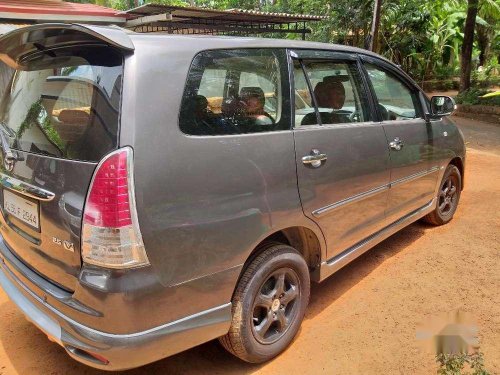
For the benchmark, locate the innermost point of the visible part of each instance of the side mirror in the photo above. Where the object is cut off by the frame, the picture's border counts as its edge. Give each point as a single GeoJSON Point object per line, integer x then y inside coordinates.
{"type": "Point", "coordinates": [442, 106]}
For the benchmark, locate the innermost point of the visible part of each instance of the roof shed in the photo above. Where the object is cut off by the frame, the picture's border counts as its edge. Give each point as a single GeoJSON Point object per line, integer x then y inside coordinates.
{"type": "Point", "coordinates": [15, 14]}
{"type": "Point", "coordinates": [194, 20]}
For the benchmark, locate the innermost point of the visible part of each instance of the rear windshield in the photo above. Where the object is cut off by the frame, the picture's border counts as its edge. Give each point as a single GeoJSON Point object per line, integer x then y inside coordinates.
{"type": "Point", "coordinates": [66, 104]}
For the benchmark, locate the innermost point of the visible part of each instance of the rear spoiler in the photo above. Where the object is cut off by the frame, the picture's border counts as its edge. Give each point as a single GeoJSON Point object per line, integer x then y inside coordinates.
{"type": "Point", "coordinates": [16, 46]}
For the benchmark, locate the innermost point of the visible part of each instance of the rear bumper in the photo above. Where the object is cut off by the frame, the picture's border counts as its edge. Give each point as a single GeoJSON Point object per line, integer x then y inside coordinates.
{"type": "Point", "coordinates": [121, 351]}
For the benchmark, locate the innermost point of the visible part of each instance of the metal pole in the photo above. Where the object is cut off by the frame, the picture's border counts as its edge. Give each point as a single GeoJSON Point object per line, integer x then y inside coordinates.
{"type": "Point", "coordinates": [375, 26]}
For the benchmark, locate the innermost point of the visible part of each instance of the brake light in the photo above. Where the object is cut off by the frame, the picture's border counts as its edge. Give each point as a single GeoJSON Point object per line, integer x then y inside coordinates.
{"type": "Point", "coordinates": [111, 236]}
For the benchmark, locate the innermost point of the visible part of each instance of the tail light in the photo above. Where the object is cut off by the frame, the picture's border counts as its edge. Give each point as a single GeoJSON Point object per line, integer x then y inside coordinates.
{"type": "Point", "coordinates": [110, 235]}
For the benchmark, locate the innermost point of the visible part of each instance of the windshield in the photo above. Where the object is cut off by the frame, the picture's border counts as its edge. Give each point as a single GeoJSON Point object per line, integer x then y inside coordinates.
{"type": "Point", "coordinates": [66, 105]}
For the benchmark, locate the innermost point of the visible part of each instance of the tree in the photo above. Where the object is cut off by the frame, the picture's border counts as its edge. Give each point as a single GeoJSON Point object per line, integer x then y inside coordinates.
{"type": "Point", "coordinates": [424, 37]}
{"type": "Point", "coordinates": [375, 26]}
{"type": "Point", "coordinates": [468, 44]}
{"type": "Point", "coordinates": [487, 27]}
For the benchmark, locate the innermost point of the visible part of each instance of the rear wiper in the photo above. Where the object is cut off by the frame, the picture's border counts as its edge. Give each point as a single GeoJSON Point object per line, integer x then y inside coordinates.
{"type": "Point", "coordinates": [9, 156]}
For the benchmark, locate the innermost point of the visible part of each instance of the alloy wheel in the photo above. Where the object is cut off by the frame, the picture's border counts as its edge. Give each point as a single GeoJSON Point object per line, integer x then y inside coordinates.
{"type": "Point", "coordinates": [448, 195]}
{"type": "Point", "coordinates": [276, 305]}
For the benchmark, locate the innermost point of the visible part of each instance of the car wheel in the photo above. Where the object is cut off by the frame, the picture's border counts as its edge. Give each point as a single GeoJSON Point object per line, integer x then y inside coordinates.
{"type": "Point", "coordinates": [447, 197]}
{"type": "Point", "coordinates": [269, 304]}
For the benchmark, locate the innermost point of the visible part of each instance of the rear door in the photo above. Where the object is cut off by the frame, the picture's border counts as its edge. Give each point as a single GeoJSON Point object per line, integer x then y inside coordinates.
{"type": "Point", "coordinates": [413, 173]}
{"type": "Point", "coordinates": [57, 120]}
{"type": "Point", "coordinates": [341, 153]}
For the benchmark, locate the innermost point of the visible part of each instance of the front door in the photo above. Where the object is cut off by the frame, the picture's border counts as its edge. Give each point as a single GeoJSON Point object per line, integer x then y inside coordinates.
{"type": "Point", "coordinates": [342, 155]}
{"type": "Point", "coordinates": [413, 176]}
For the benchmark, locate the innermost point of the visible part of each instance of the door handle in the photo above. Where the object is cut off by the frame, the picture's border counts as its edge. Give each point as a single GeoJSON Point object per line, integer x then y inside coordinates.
{"type": "Point", "coordinates": [397, 144]}
{"type": "Point", "coordinates": [314, 159]}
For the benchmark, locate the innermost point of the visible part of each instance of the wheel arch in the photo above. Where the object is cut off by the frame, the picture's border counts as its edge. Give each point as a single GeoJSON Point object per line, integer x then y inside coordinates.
{"type": "Point", "coordinates": [458, 162]}
{"type": "Point", "coordinates": [303, 239]}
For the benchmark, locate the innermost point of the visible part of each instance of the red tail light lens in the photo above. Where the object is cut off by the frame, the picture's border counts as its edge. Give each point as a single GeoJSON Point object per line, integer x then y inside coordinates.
{"type": "Point", "coordinates": [110, 235]}
{"type": "Point", "coordinates": [108, 202]}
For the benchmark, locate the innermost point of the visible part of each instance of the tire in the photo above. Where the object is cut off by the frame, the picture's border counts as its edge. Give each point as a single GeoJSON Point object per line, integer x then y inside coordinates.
{"type": "Point", "coordinates": [448, 197]}
{"type": "Point", "coordinates": [260, 302]}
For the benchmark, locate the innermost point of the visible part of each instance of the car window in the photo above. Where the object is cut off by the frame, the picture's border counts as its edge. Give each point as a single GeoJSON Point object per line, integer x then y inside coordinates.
{"type": "Point", "coordinates": [234, 92]}
{"type": "Point", "coordinates": [337, 89]}
{"type": "Point", "coordinates": [250, 79]}
{"type": "Point", "coordinates": [304, 105]}
{"type": "Point", "coordinates": [212, 83]}
{"type": "Point", "coordinates": [66, 104]}
{"type": "Point", "coordinates": [395, 99]}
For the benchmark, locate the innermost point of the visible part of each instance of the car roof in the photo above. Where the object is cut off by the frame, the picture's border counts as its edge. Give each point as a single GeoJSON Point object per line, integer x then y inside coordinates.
{"type": "Point", "coordinates": [125, 39]}
{"type": "Point", "coordinates": [198, 43]}
{"type": "Point", "coordinates": [220, 42]}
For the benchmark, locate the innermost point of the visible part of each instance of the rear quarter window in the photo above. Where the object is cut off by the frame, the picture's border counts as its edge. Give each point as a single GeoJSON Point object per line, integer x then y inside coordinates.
{"type": "Point", "coordinates": [236, 92]}
{"type": "Point", "coordinates": [66, 105]}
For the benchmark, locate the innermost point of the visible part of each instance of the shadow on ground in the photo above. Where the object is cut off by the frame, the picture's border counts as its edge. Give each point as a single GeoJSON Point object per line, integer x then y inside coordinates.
{"type": "Point", "coordinates": [30, 352]}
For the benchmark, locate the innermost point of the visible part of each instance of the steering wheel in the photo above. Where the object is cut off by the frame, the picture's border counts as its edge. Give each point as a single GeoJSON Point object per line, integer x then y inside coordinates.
{"type": "Point", "coordinates": [354, 116]}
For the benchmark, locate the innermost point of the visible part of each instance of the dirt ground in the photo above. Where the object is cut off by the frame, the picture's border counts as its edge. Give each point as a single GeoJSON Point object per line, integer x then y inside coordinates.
{"type": "Point", "coordinates": [363, 319]}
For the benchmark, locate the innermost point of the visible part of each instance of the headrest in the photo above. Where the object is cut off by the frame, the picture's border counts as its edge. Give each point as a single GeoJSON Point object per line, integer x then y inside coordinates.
{"type": "Point", "coordinates": [336, 78]}
{"type": "Point", "coordinates": [335, 82]}
{"type": "Point", "coordinates": [321, 94]}
{"type": "Point", "coordinates": [247, 92]}
{"type": "Point", "coordinates": [200, 101]}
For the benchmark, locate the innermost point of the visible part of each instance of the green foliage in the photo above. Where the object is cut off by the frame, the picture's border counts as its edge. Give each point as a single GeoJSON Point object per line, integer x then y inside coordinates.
{"type": "Point", "coordinates": [31, 118]}
{"type": "Point", "coordinates": [470, 96]}
{"type": "Point", "coordinates": [52, 134]}
{"type": "Point", "coordinates": [424, 37]}
{"type": "Point", "coordinates": [453, 364]}
{"type": "Point", "coordinates": [445, 71]}
{"type": "Point", "coordinates": [37, 114]}
{"type": "Point", "coordinates": [473, 95]}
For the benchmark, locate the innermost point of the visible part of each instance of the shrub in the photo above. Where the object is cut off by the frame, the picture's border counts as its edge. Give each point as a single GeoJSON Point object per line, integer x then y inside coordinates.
{"type": "Point", "coordinates": [473, 95]}
{"type": "Point", "coordinates": [453, 364]}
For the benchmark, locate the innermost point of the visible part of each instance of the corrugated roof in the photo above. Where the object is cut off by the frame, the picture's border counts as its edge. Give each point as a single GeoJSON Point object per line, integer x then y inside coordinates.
{"type": "Point", "coordinates": [301, 17]}
{"type": "Point", "coordinates": [45, 7]}
{"type": "Point", "coordinates": [235, 15]}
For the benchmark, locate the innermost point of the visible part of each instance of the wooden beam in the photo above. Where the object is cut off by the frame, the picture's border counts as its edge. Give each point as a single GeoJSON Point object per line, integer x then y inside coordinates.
{"type": "Point", "coordinates": [148, 19]}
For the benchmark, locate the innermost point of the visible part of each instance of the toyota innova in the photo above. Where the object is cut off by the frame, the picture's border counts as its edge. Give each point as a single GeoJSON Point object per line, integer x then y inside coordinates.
{"type": "Point", "coordinates": [160, 191]}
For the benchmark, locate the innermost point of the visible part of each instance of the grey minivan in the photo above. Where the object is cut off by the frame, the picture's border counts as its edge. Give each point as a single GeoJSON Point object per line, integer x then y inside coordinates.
{"type": "Point", "coordinates": [160, 191]}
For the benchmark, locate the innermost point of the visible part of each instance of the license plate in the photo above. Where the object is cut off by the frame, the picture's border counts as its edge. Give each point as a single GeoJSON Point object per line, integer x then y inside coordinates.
{"type": "Point", "coordinates": [23, 209]}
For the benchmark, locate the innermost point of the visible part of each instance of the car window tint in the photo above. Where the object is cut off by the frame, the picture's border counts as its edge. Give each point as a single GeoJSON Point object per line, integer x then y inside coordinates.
{"type": "Point", "coordinates": [234, 92]}
{"type": "Point", "coordinates": [395, 100]}
{"type": "Point", "coordinates": [212, 83]}
{"type": "Point", "coordinates": [337, 89]}
{"type": "Point", "coordinates": [248, 79]}
{"type": "Point", "coordinates": [66, 104]}
{"type": "Point", "coordinates": [304, 106]}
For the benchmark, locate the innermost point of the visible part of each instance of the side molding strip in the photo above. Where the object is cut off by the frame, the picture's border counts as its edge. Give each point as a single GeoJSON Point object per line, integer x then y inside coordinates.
{"type": "Point", "coordinates": [337, 262]}
{"type": "Point", "coordinates": [370, 193]}
{"type": "Point", "coordinates": [346, 202]}
{"type": "Point", "coordinates": [414, 176]}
